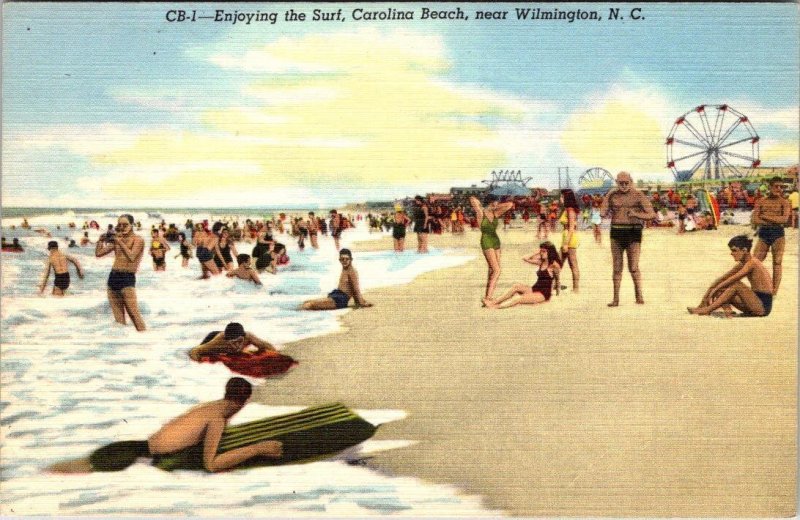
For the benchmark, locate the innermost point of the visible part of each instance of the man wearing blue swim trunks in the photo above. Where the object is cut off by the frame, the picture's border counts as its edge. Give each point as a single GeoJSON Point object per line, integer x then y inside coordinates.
{"type": "Point", "coordinates": [728, 290]}
{"type": "Point", "coordinates": [57, 261]}
{"type": "Point", "coordinates": [348, 288]}
{"type": "Point", "coordinates": [771, 214]}
{"type": "Point", "coordinates": [128, 248]}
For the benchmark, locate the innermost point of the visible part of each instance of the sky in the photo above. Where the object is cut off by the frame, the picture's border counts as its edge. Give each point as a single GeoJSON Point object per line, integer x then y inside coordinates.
{"type": "Point", "coordinates": [112, 105]}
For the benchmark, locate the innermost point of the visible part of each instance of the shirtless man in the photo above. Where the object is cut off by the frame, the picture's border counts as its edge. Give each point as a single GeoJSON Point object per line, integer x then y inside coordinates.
{"type": "Point", "coordinates": [202, 424]}
{"type": "Point", "coordinates": [205, 243]}
{"type": "Point", "coordinates": [128, 249]}
{"type": "Point", "coordinates": [336, 227]}
{"type": "Point", "coordinates": [245, 271]}
{"type": "Point", "coordinates": [348, 288]}
{"type": "Point", "coordinates": [770, 214]}
{"type": "Point", "coordinates": [58, 262]}
{"type": "Point", "coordinates": [313, 229]}
{"type": "Point", "coordinates": [233, 340]}
{"type": "Point", "coordinates": [728, 290]}
{"type": "Point", "coordinates": [629, 209]}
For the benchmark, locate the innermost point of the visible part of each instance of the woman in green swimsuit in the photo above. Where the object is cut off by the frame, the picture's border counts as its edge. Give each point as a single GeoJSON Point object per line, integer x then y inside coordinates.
{"type": "Point", "coordinates": [490, 242]}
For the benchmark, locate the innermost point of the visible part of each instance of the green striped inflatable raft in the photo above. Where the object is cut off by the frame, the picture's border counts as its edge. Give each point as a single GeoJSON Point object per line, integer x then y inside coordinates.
{"type": "Point", "coordinates": [308, 435]}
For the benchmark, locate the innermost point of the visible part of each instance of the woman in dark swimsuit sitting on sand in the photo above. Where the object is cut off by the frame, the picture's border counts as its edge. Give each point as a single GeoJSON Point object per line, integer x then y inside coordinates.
{"type": "Point", "coordinates": [547, 259]}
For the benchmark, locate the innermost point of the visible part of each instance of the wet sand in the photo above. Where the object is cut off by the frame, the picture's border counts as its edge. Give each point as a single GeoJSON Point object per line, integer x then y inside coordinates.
{"type": "Point", "coordinates": [572, 408]}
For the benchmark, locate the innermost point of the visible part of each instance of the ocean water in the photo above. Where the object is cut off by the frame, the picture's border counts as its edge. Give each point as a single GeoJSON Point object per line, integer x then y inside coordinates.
{"type": "Point", "coordinates": [73, 380]}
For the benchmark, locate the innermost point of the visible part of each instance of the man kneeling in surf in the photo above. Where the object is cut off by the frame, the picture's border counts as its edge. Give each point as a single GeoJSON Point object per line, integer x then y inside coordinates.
{"type": "Point", "coordinates": [203, 424]}
{"type": "Point", "coordinates": [233, 340]}
{"type": "Point", "coordinates": [348, 288]}
{"type": "Point", "coordinates": [728, 290]}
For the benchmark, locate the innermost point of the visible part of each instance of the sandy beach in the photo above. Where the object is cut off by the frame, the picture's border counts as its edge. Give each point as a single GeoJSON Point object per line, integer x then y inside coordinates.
{"type": "Point", "coordinates": [572, 408]}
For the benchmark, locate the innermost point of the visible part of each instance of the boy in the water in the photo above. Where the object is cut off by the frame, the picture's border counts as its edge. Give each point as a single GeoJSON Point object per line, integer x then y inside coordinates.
{"type": "Point", "coordinates": [728, 290]}
{"type": "Point", "coordinates": [202, 424]}
{"type": "Point", "coordinates": [58, 262]}
{"type": "Point", "coordinates": [245, 271]}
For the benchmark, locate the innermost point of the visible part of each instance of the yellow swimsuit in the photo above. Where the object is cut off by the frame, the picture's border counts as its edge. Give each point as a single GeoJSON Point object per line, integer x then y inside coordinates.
{"type": "Point", "coordinates": [564, 234]}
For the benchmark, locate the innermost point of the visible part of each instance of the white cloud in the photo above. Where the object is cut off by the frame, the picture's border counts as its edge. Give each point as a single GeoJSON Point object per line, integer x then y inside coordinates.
{"type": "Point", "coordinates": [787, 118]}
{"type": "Point", "coordinates": [260, 61]}
{"type": "Point", "coordinates": [164, 103]}
{"type": "Point", "coordinates": [331, 52]}
{"type": "Point", "coordinates": [292, 96]}
{"type": "Point", "coordinates": [79, 139]}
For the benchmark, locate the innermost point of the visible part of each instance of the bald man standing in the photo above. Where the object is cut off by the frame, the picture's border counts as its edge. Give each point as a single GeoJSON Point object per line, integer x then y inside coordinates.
{"type": "Point", "coordinates": [629, 209]}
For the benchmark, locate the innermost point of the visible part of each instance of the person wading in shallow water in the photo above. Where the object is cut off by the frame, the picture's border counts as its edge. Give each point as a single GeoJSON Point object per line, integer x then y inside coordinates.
{"type": "Point", "coordinates": [128, 249]}
{"type": "Point", "coordinates": [57, 261]}
{"type": "Point", "coordinates": [630, 209]}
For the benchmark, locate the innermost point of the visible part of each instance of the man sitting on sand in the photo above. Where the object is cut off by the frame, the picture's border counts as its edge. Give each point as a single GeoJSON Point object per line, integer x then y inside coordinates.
{"type": "Point", "coordinates": [245, 271]}
{"type": "Point", "coordinates": [233, 340]}
{"type": "Point", "coordinates": [728, 290]}
{"type": "Point", "coordinates": [348, 288]}
{"type": "Point", "coordinates": [58, 262]}
{"type": "Point", "coordinates": [203, 424]}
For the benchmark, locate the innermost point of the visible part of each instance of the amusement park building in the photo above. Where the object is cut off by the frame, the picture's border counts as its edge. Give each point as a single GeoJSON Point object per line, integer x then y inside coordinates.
{"type": "Point", "coordinates": [467, 192]}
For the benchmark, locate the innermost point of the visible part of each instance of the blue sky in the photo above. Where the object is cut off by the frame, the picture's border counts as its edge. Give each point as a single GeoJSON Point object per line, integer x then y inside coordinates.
{"type": "Point", "coordinates": [109, 104]}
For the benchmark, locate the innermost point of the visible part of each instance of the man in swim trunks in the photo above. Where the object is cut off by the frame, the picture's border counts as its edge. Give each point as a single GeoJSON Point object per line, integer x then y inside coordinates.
{"type": "Point", "coordinates": [128, 249]}
{"type": "Point", "coordinates": [348, 288]}
{"type": "Point", "coordinates": [233, 340]}
{"type": "Point", "coordinates": [202, 424]}
{"type": "Point", "coordinates": [313, 229]}
{"type": "Point", "coordinates": [728, 290]}
{"type": "Point", "coordinates": [245, 271]}
{"type": "Point", "coordinates": [630, 209]}
{"type": "Point", "coordinates": [58, 262]}
{"type": "Point", "coordinates": [771, 214]}
{"type": "Point", "coordinates": [336, 227]}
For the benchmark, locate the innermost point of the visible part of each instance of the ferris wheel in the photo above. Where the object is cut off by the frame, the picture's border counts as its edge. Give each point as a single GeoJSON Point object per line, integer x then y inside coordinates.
{"type": "Point", "coordinates": [595, 178]}
{"type": "Point", "coordinates": [716, 141]}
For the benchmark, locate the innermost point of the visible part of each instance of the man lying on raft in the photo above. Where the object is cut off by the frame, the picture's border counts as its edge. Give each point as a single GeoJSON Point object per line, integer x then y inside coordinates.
{"type": "Point", "coordinates": [202, 424]}
{"type": "Point", "coordinates": [728, 290]}
{"type": "Point", "coordinates": [233, 340]}
{"type": "Point", "coordinates": [348, 288]}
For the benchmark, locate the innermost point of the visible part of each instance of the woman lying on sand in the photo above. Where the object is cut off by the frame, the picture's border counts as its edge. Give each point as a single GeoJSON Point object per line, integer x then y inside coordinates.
{"type": "Point", "coordinates": [547, 259]}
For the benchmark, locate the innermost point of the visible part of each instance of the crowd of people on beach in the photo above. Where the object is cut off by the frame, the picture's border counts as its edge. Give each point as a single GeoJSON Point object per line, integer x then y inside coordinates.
{"type": "Point", "coordinates": [628, 209]}
{"type": "Point", "coordinates": [216, 245]}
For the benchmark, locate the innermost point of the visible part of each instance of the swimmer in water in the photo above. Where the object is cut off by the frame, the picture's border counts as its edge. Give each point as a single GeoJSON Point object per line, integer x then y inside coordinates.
{"type": "Point", "coordinates": [58, 262]}
{"type": "Point", "coordinates": [128, 249]}
{"type": "Point", "coordinates": [158, 250]}
{"type": "Point", "coordinates": [245, 271]}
